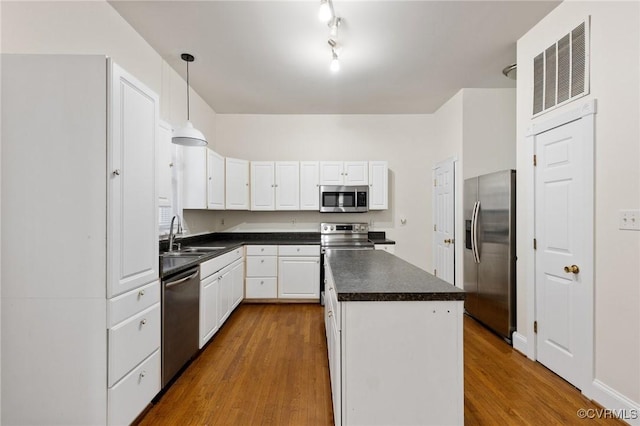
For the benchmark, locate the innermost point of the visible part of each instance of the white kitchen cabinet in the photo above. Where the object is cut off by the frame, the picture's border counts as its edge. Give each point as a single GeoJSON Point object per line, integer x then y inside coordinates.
{"type": "Point", "coordinates": [309, 185]}
{"type": "Point", "coordinates": [378, 185]}
{"type": "Point", "coordinates": [93, 140]}
{"type": "Point", "coordinates": [237, 184]}
{"type": "Point", "coordinates": [275, 185]}
{"type": "Point", "coordinates": [165, 165]}
{"type": "Point", "coordinates": [194, 177]}
{"type": "Point", "coordinates": [225, 294]}
{"type": "Point", "coordinates": [208, 308]}
{"type": "Point", "coordinates": [215, 180]}
{"type": "Point", "coordinates": [216, 291]}
{"type": "Point", "coordinates": [132, 195]}
{"type": "Point", "coordinates": [263, 185]}
{"type": "Point", "coordinates": [299, 272]}
{"type": "Point", "coordinates": [344, 173]}
{"type": "Point", "coordinates": [238, 283]}
{"type": "Point", "coordinates": [203, 179]}
{"type": "Point", "coordinates": [261, 281]}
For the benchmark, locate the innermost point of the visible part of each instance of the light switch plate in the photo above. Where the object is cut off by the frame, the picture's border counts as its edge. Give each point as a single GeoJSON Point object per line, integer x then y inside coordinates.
{"type": "Point", "coordinates": [629, 220]}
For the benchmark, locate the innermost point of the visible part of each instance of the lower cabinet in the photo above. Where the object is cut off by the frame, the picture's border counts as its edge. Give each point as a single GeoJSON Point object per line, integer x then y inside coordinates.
{"type": "Point", "coordinates": [221, 290]}
{"type": "Point", "coordinates": [284, 272]}
{"type": "Point", "coordinates": [391, 248]}
{"type": "Point", "coordinates": [133, 352]}
{"type": "Point", "coordinates": [299, 272]}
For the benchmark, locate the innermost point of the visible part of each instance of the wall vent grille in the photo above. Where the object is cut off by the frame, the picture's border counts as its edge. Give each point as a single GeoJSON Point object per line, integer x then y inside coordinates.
{"type": "Point", "coordinates": [561, 71]}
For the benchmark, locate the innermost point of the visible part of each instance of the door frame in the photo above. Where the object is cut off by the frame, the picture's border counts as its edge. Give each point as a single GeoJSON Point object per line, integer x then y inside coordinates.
{"type": "Point", "coordinates": [586, 115]}
{"type": "Point", "coordinates": [457, 218]}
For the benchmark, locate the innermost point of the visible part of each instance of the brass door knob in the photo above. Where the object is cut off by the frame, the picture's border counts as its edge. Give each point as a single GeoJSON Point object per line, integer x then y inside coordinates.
{"type": "Point", "coordinates": [574, 269]}
{"type": "Point", "coordinates": [448, 241]}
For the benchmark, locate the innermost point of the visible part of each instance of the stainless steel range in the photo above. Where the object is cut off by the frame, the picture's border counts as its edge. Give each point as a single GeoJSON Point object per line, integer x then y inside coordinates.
{"type": "Point", "coordinates": [342, 236]}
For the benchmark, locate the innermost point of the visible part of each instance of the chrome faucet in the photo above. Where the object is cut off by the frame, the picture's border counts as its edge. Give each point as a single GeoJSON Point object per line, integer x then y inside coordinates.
{"type": "Point", "coordinates": [172, 236]}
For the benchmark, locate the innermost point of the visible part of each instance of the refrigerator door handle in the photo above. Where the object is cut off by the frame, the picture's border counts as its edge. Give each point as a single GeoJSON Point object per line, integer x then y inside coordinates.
{"type": "Point", "coordinates": [474, 232]}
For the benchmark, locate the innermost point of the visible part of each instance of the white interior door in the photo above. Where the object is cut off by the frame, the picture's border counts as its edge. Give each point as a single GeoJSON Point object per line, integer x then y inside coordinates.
{"type": "Point", "coordinates": [560, 230]}
{"type": "Point", "coordinates": [443, 220]}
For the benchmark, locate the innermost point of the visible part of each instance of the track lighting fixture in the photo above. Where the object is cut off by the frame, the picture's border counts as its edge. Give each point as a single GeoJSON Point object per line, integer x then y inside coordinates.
{"type": "Point", "coordinates": [327, 14]}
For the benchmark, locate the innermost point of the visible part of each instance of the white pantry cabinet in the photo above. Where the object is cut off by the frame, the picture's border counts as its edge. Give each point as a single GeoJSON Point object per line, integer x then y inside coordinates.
{"type": "Point", "coordinates": [378, 185]}
{"type": "Point", "coordinates": [275, 185]}
{"type": "Point", "coordinates": [237, 184]}
{"type": "Point", "coordinates": [203, 179]}
{"type": "Point", "coordinates": [93, 140]}
{"type": "Point", "coordinates": [309, 185]}
{"type": "Point", "coordinates": [165, 165]}
{"type": "Point", "coordinates": [344, 173]}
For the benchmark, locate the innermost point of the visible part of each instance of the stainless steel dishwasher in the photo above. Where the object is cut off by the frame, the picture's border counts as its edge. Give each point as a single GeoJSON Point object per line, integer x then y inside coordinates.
{"type": "Point", "coordinates": [180, 321]}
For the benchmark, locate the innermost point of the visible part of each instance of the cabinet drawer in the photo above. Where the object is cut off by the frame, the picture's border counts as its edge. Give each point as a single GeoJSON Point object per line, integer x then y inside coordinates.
{"type": "Point", "coordinates": [262, 250]}
{"type": "Point", "coordinates": [261, 288]}
{"type": "Point", "coordinates": [262, 266]}
{"type": "Point", "coordinates": [308, 250]}
{"type": "Point", "coordinates": [130, 396]}
{"type": "Point", "coordinates": [128, 304]}
{"type": "Point", "coordinates": [212, 266]}
{"type": "Point", "coordinates": [133, 340]}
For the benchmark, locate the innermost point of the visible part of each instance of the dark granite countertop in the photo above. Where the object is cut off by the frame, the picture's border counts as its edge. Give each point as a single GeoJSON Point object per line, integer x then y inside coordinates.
{"type": "Point", "coordinates": [375, 275]}
{"type": "Point", "coordinates": [170, 265]}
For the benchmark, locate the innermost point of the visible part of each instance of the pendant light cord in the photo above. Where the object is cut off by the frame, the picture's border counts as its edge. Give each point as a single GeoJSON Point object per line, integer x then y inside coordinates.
{"type": "Point", "coordinates": [188, 118]}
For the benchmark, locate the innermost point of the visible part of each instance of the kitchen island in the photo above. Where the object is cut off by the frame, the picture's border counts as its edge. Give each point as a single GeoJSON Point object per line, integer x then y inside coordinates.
{"type": "Point", "coordinates": [394, 337]}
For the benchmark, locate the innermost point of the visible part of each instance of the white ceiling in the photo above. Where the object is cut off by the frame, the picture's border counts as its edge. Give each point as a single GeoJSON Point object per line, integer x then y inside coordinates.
{"type": "Point", "coordinates": [272, 57]}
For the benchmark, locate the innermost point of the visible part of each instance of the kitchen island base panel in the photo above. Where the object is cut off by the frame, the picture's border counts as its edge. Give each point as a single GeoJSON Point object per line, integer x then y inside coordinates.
{"type": "Point", "coordinates": [402, 363]}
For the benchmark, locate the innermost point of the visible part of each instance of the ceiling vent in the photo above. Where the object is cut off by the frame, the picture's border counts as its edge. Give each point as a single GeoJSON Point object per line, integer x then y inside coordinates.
{"type": "Point", "coordinates": [561, 71]}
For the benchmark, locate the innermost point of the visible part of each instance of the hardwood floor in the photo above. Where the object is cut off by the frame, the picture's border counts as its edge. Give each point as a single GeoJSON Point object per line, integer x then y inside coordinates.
{"type": "Point", "coordinates": [268, 366]}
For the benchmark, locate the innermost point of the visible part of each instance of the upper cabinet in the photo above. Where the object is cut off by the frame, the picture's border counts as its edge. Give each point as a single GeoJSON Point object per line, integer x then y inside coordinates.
{"type": "Point", "coordinates": [378, 185]}
{"type": "Point", "coordinates": [344, 173]}
{"type": "Point", "coordinates": [203, 179]}
{"type": "Point", "coordinates": [237, 184]}
{"type": "Point", "coordinates": [165, 165]}
{"type": "Point", "coordinates": [132, 216]}
{"type": "Point", "coordinates": [275, 185]}
{"type": "Point", "coordinates": [194, 177]}
{"type": "Point", "coordinates": [215, 180]}
{"type": "Point", "coordinates": [309, 185]}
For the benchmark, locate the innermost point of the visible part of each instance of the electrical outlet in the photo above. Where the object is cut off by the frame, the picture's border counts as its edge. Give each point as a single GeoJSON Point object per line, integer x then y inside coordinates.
{"type": "Point", "coordinates": [629, 220]}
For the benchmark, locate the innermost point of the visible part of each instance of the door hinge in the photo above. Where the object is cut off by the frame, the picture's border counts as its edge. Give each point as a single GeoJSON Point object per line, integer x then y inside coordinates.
{"type": "Point", "coordinates": [535, 326]}
{"type": "Point", "coordinates": [435, 272]}
{"type": "Point", "coordinates": [535, 244]}
{"type": "Point", "coordinates": [535, 160]}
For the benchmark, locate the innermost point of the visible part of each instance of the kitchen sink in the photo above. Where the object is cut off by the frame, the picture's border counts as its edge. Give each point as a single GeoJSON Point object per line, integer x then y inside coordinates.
{"type": "Point", "coordinates": [200, 249]}
{"type": "Point", "coordinates": [182, 253]}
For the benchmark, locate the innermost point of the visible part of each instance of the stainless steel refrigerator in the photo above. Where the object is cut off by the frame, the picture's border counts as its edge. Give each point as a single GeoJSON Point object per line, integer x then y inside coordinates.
{"type": "Point", "coordinates": [490, 250]}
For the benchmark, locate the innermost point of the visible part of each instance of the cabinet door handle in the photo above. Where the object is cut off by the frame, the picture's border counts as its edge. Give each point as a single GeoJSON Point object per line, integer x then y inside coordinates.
{"type": "Point", "coordinates": [116, 172]}
{"type": "Point", "coordinates": [144, 373]}
{"type": "Point", "coordinates": [143, 322]}
{"type": "Point", "coordinates": [261, 282]}
{"type": "Point", "coordinates": [262, 261]}
{"type": "Point", "coordinates": [141, 293]}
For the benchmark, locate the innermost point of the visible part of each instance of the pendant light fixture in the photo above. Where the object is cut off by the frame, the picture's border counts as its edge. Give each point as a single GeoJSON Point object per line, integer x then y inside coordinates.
{"type": "Point", "coordinates": [188, 135]}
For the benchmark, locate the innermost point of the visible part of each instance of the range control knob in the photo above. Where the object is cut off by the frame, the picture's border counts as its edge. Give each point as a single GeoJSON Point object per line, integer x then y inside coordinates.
{"type": "Point", "coordinates": [326, 227]}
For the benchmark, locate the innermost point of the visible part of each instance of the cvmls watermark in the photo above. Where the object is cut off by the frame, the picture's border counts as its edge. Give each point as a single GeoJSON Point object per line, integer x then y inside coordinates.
{"type": "Point", "coordinates": [606, 413]}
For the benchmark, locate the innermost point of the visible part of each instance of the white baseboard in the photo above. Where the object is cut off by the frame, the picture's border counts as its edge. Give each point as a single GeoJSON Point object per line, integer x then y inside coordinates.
{"type": "Point", "coordinates": [519, 343]}
{"type": "Point", "coordinates": [613, 400]}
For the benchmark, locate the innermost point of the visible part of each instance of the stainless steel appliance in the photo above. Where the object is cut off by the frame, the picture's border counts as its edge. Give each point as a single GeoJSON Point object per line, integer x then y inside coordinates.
{"type": "Point", "coordinates": [490, 250]}
{"type": "Point", "coordinates": [344, 199]}
{"type": "Point", "coordinates": [342, 236]}
{"type": "Point", "coordinates": [180, 321]}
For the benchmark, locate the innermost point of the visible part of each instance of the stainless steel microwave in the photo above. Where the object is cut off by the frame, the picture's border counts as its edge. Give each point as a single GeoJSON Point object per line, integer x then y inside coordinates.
{"type": "Point", "coordinates": [344, 199]}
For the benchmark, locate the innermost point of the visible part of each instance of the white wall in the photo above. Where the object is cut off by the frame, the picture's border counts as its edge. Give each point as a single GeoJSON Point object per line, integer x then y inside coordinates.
{"type": "Point", "coordinates": [405, 141]}
{"type": "Point", "coordinates": [489, 131]}
{"type": "Point", "coordinates": [94, 27]}
{"type": "Point", "coordinates": [615, 72]}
